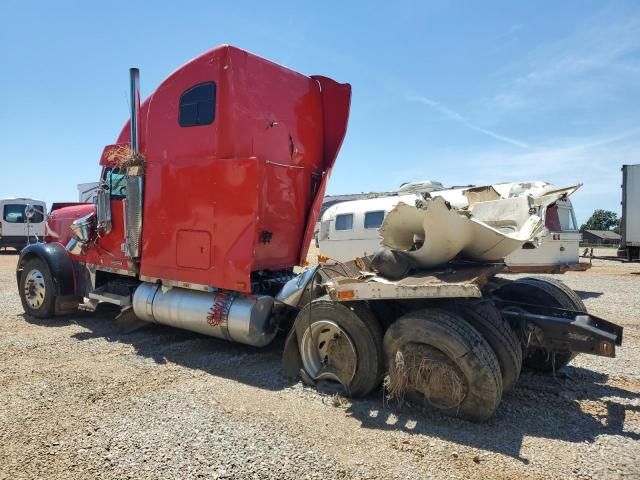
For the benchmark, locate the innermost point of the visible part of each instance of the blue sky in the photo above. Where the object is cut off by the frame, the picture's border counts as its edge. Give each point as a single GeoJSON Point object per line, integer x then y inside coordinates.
{"type": "Point", "coordinates": [459, 92]}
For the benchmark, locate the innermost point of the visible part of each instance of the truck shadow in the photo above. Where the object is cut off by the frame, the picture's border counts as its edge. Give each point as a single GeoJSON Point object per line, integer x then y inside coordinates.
{"type": "Point", "coordinates": [577, 406]}
{"type": "Point", "coordinates": [584, 295]}
{"type": "Point", "coordinates": [161, 345]}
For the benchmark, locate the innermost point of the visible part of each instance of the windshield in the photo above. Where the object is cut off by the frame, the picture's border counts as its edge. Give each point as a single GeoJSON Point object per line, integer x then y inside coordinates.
{"type": "Point", "coordinates": [115, 183]}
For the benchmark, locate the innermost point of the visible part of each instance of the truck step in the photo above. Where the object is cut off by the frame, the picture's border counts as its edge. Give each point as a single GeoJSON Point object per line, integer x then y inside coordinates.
{"type": "Point", "coordinates": [109, 297]}
{"type": "Point", "coordinates": [88, 305]}
{"type": "Point", "coordinates": [116, 293]}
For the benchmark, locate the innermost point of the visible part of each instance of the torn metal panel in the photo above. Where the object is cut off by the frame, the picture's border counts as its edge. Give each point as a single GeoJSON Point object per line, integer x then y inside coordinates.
{"type": "Point", "coordinates": [535, 189]}
{"type": "Point", "coordinates": [406, 227]}
{"type": "Point", "coordinates": [500, 218]}
{"type": "Point", "coordinates": [484, 223]}
{"type": "Point", "coordinates": [491, 245]}
{"type": "Point", "coordinates": [467, 197]}
{"type": "Point", "coordinates": [436, 233]}
{"type": "Point", "coordinates": [481, 194]}
{"type": "Point", "coordinates": [506, 215]}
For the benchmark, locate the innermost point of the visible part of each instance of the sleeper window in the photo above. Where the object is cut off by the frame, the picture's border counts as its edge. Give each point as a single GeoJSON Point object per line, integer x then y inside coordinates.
{"type": "Point", "coordinates": [344, 221]}
{"type": "Point", "coordinates": [198, 105]}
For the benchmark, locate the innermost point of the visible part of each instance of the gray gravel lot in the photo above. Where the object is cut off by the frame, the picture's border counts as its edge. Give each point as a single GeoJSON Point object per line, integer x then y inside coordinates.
{"type": "Point", "coordinates": [80, 400]}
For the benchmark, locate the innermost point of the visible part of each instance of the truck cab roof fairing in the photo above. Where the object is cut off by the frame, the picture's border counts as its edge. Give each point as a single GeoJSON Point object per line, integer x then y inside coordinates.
{"type": "Point", "coordinates": [243, 192]}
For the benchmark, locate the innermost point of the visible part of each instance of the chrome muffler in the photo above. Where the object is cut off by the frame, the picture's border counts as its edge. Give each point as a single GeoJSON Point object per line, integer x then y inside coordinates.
{"type": "Point", "coordinates": [229, 315]}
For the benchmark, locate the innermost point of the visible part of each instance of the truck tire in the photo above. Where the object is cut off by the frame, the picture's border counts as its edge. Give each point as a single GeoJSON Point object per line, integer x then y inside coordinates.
{"type": "Point", "coordinates": [363, 312]}
{"type": "Point", "coordinates": [342, 344]}
{"type": "Point", "coordinates": [454, 370]}
{"type": "Point", "coordinates": [37, 290]}
{"type": "Point", "coordinates": [485, 317]}
{"type": "Point", "coordinates": [548, 292]}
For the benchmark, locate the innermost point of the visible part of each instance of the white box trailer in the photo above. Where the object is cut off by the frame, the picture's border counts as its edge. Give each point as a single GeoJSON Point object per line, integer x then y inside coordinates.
{"type": "Point", "coordinates": [88, 192]}
{"type": "Point", "coordinates": [630, 225]}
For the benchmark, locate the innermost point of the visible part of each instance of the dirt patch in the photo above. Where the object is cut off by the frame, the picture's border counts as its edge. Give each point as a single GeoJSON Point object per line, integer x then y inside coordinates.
{"type": "Point", "coordinates": [82, 400]}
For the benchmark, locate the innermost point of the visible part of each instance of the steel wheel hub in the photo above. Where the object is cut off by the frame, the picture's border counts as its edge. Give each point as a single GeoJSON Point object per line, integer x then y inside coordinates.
{"type": "Point", "coordinates": [328, 353]}
{"type": "Point", "coordinates": [34, 289]}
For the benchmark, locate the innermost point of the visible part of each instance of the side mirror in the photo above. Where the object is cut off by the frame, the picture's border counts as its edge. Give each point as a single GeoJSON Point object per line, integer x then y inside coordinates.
{"type": "Point", "coordinates": [29, 211]}
{"type": "Point", "coordinates": [35, 214]}
{"type": "Point", "coordinates": [103, 210]}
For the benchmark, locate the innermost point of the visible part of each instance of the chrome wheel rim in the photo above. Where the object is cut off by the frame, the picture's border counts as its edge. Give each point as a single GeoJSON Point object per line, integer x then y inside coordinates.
{"type": "Point", "coordinates": [328, 353]}
{"type": "Point", "coordinates": [34, 289]}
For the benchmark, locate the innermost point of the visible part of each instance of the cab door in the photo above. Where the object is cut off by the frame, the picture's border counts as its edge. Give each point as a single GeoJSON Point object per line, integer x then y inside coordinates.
{"type": "Point", "coordinates": [107, 253]}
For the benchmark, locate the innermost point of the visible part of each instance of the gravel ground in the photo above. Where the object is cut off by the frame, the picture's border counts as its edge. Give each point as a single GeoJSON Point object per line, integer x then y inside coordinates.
{"type": "Point", "coordinates": [80, 400]}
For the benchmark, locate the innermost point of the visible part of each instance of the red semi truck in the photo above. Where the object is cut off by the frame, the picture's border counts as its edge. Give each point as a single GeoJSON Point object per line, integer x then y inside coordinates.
{"type": "Point", "coordinates": [209, 198]}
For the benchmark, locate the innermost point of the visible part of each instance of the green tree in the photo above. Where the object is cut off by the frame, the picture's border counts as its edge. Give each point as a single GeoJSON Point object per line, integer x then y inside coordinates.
{"type": "Point", "coordinates": [616, 227]}
{"type": "Point", "coordinates": [601, 220]}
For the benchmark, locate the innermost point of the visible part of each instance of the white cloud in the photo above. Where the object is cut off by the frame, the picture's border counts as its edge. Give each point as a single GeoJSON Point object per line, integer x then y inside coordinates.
{"type": "Point", "coordinates": [600, 59]}
{"type": "Point", "coordinates": [455, 116]}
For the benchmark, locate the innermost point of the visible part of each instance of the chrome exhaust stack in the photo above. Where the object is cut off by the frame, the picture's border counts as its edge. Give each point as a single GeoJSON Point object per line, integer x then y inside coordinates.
{"type": "Point", "coordinates": [134, 81]}
{"type": "Point", "coordinates": [133, 202]}
{"type": "Point", "coordinates": [223, 314]}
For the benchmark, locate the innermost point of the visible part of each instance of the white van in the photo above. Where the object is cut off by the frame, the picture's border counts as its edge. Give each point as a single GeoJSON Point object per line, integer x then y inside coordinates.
{"type": "Point", "coordinates": [16, 229]}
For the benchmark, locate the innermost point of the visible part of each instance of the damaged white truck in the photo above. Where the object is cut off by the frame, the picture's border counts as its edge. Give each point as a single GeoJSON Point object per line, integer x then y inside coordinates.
{"type": "Point", "coordinates": [427, 314]}
{"type": "Point", "coordinates": [349, 227]}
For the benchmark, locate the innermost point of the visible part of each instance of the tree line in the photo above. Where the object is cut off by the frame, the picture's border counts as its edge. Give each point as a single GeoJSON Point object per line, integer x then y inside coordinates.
{"type": "Point", "coordinates": [602, 220]}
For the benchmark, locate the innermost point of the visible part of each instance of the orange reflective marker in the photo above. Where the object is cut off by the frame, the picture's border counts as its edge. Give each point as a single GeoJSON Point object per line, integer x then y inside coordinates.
{"type": "Point", "coordinates": [345, 294]}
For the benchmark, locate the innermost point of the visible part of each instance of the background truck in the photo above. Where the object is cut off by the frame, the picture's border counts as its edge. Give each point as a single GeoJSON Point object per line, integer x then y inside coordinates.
{"type": "Point", "coordinates": [199, 222]}
{"type": "Point", "coordinates": [630, 222]}
{"type": "Point", "coordinates": [88, 192]}
{"type": "Point", "coordinates": [22, 222]}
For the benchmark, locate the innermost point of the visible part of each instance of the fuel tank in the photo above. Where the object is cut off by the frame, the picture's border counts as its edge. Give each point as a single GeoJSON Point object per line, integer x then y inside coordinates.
{"type": "Point", "coordinates": [223, 314]}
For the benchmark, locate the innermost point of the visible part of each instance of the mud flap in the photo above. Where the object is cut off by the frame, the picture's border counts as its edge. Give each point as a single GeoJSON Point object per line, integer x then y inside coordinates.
{"type": "Point", "coordinates": [128, 322]}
